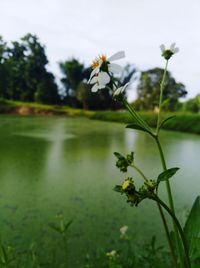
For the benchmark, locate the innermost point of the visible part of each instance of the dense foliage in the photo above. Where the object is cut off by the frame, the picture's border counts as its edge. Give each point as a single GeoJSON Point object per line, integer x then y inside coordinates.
{"type": "Point", "coordinates": [24, 76]}
{"type": "Point", "coordinates": [149, 87]}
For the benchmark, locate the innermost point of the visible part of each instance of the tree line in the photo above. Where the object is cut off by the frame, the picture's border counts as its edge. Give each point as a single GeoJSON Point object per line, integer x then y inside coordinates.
{"type": "Point", "coordinates": [24, 76]}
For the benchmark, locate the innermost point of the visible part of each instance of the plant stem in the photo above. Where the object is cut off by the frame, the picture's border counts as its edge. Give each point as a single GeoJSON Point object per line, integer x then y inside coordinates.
{"type": "Point", "coordinates": [163, 220]}
{"type": "Point", "coordinates": [168, 235]}
{"type": "Point", "coordinates": [139, 171]}
{"type": "Point", "coordinates": [169, 192]}
{"type": "Point", "coordinates": [137, 118]}
{"type": "Point", "coordinates": [161, 95]}
{"type": "Point", "coordinates": [157, 199]}
{"type": "Point", "coordinates": [170, 198]}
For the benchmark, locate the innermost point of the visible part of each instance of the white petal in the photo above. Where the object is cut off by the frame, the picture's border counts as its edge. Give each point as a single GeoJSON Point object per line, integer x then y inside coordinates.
{"type": "Point", "coordinates": [172, 47]}
{"type": "Point", "coordinates": [95, 71]}
{"type": "Point", "coordinates": [176, 50]}
{"type": "Point", "coordinates": [114, 68]}
{"type": "Point", "coordinates": [95, 88]}
{"type": "Point", "coordinates": [120, 90]}
{"type": "Point", "coordinates": [93, 80]}
{"type": "Point", "coordinates": [101, 86]}
{"type": "Point", "coordinates": [162, 47]}
{"type": "Point", "coordinates": [103, 78]}
{"type": "Point", "coordinates": [117, 56]}
{"type": "Point", "coordinates": [125, 86]}
{"type": "Point", "coordinates": [117, 91]}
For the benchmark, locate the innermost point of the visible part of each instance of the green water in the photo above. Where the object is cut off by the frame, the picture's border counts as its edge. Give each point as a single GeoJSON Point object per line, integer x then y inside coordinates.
{"type": "Point", "coordinates": [52, 165]}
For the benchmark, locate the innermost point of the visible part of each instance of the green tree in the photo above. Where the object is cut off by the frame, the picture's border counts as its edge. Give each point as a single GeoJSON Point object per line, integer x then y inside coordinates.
{"type": "Point", "coordinates": [15, 65]}
{"type": "Point", "coordinates": [149, 87]}
{"type": "Point", "coordinates": [192, 105]}
{"type": "Point", "coordinates": [74, 73]}
{"type": "Point", "coordinates": [23, 72]}
{"type": "Point", "coordinates": [41, 84]}
{"type": "Point", "coordinates": [3, 69]}
{"type": "Point", "coordinates": [83, 94]}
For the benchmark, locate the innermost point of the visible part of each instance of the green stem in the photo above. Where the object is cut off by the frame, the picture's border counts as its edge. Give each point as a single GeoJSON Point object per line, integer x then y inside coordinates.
{"type": "Point", "coordinates": [170, 198]}
{"type": "Point", "coordinates": [139, 171]}
{"type": "Point", "coordinates": [163, 220]}
{"type": "Point", "coordinates": [157, 199]}
{"type": "Point", "coordinates": [168, 235]}
{"type": "Point", "coordinates": [161, 95]}
{"type": "Point", "coordinates": [137, 118]}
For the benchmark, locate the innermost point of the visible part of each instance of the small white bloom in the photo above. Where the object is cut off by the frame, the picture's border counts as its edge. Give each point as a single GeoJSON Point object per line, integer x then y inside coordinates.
{"type": "Point", "coordinates": [123, 230]}
{"type": "Point", "coordinates": [168, 52]}
{"type": "Point", "coordinates": [99, 62]}
{"type": "Point", "coordinates": [120, 90]}
{"type": "Point", "coordinates": [111, 254]}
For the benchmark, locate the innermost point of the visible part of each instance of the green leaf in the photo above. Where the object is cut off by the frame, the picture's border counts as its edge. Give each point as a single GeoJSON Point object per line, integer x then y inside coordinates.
{"type": "Point", "coordinates": [55, 227]}
{"type": "Point", "coordinates": [164, 121]}
{"type": "Point", "coordinates": [139, 127]}
{"type": "Point", "coordinates": [118, 155]}
{"type": "Point", "coordinates": [192, 229]}
{"type": "Point", "coordinates": [118, 188]}
{"type": "Point", "coordinates": [167, 174]}
{"type": "Point", "coordinates": [68, 224]}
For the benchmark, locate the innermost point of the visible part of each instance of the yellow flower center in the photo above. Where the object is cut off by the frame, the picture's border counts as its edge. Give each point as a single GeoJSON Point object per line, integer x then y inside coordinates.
{"type": "Point", "coordinates": [103, 57]}
{"type": "Point", "coordinates": [95, 64]}
{"type": "Point", "coordinates": [125, 184]}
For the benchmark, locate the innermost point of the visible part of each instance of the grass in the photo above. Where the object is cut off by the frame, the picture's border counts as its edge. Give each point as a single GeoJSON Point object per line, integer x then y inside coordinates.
{"type": "Point", "coordinates": [7, 106]}
{"type": "Point", "coordinates": [184, 122]}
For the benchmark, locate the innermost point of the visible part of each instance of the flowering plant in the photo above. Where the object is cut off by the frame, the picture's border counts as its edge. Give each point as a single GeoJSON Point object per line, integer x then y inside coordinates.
{"type": "Point", "coordinates": [103, 76]}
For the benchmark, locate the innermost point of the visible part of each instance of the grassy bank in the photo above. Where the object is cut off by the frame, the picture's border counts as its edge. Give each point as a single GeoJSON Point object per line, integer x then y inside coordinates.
{"type": "Point", "coordinates": [31, 108]}
{"type": "Point", "coordinates": [185, 122]}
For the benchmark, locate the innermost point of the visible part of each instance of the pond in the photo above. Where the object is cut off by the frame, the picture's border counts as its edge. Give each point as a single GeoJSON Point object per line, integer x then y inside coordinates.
{"type": "Point", "coordinates": [52, 165]}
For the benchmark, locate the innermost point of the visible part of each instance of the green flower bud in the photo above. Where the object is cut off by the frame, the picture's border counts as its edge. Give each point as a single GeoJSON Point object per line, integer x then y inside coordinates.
{"type": "Point", "coordinates": [151, 185]}
{"type": "Point", "coordinates": [128, 185]}
{"type": "Point", "coordinates": [167, 54]}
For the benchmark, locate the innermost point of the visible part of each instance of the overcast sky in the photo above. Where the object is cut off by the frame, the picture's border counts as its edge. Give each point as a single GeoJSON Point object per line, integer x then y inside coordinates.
{"type": "Point", "coordinates": [85, 28]}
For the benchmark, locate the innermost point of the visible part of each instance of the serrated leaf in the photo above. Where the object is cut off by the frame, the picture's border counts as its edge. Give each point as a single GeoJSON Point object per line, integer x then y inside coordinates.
{"type": "Point", "coordinates": [192, 229]}
{"type": "Point", "coordinates": [139, 127]}
{"type": "Point", "coordinates": [164, 121]}
{"type": "Point", "coordinates": [167, 174]}
{"type": "Point", "coordinates": [118, 188]}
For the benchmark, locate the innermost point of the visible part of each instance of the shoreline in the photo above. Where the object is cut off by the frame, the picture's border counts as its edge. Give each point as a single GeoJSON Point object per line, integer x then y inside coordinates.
{"type": "Point", "coordinates": [183, 122]}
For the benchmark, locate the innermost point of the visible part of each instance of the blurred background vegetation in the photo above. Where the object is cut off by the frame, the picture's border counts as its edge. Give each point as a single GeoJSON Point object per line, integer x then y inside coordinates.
{"type": "Point", "coordinates": [24, 76]}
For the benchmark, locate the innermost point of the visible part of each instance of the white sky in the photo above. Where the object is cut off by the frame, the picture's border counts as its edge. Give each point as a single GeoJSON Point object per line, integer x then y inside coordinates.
{"type": "Point", "coordinates": [85, 28]}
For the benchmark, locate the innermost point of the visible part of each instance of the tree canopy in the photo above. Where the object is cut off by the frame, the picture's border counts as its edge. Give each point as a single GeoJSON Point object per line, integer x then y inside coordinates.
{"type": "Point", "coordinates": [23, 72]}
{"type": "Point", "coordinates": [149, 87]}
{"type": "Point", "coordinates": [24, 76]}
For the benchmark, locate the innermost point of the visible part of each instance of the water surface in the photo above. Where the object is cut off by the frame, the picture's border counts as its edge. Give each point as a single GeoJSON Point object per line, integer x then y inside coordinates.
{"type": "Point", "coordinates": [52, 165]}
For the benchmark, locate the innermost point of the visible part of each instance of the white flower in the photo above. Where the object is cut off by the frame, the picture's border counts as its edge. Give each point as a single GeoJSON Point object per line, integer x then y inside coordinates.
{"type": "Point", "coordinates": [99, 81]}
{"type": "Point", "coordinates": [123, 230]}
{"type": "Point", "coordinates": [111, 254]}
{"type": "Point", "coordinates": [168, 52]}
{"type": "Point", "coordinates": [120, 90]}
{"type": "Point", "coordinates": [104, 64]}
